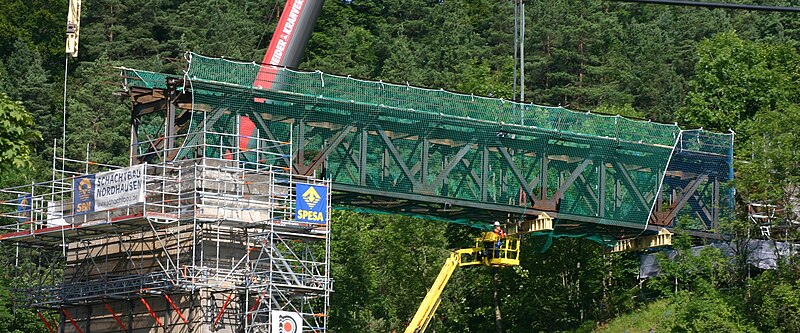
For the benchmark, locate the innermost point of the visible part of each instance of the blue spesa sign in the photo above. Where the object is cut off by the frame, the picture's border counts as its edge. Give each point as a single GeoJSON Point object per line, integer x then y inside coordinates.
{"type": "Point", "coordinates": [83, 194]}
{"type": "Point", "coordinates": [312, 203]}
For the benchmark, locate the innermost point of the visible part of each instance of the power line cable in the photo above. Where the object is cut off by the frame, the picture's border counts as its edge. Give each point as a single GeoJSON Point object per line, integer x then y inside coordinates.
{"type": "Point", "coordinates": [722, 5]}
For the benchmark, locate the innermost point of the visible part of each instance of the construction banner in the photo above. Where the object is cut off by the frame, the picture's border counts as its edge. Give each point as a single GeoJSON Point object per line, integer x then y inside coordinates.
{"type": "Point", "coordinates": [312, 203]}
{"type": "Point", "coordinates": [119, 188]}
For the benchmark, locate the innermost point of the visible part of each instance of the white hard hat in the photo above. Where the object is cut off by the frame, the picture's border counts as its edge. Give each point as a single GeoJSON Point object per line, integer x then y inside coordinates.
{"type": "Point", "coordinates": [496, 223]}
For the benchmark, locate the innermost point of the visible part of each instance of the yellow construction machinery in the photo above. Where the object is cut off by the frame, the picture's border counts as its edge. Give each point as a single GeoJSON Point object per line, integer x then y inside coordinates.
{"type": "Point", "coordinates": [490, 250]}
{"type": "Point", "coordinates": [495, 251]}
{"type": "Point", "coordinates": [504, 255]}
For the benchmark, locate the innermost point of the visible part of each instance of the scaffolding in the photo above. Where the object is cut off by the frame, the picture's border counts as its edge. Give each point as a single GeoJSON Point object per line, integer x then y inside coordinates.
{"type": "Point", "coordinates": [210, 242]}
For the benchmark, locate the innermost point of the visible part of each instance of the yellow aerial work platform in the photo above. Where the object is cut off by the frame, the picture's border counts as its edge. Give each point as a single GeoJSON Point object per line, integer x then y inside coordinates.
{"type": "Point", "coordinates": [490, 250]}
{"type": "Point", "coordinates": [487, 251]}
{"type": "Point", "coordinates": [494, 250]}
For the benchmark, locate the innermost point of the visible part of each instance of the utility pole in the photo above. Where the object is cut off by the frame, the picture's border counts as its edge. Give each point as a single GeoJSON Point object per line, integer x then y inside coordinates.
{"type": "Point", "coordinates": [519, 56]}
{"type": "Point", "coordinates": [521, 11]}
{"type": "Point", "coordinates": [519, 49]}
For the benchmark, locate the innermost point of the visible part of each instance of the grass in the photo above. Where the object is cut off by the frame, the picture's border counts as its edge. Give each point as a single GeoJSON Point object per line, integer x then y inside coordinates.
{"type": "Point", "coordinates": [657, 315]}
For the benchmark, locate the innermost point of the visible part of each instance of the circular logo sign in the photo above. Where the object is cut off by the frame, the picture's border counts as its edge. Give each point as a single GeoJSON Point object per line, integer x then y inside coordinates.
{"type": "Point", "coordinates": [288, 324]}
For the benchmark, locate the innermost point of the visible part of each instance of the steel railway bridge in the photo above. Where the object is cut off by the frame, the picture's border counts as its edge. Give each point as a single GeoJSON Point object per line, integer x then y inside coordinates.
{"type": "Point", "coordinates": [433, 153]}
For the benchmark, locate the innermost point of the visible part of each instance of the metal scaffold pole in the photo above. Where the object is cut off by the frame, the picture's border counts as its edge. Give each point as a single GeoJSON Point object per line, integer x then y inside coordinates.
{"type": "Point", "coordinates": [199, 235]}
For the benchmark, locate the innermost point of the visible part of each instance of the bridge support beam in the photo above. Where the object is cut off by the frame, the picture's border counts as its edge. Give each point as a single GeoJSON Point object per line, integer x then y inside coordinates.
{"type": "Point", "coordinates": [663, 238]}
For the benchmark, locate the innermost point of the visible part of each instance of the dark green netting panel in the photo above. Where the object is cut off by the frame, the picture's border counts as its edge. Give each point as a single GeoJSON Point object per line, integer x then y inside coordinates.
{"type": "Point", "coordinates": [698, 180]}
{"type": "Point", "coordinates": [598, 172]}
{"type": "Point", "coordinates": [311, 85]}
{"type": "Point", "coordinates": [145, 79]}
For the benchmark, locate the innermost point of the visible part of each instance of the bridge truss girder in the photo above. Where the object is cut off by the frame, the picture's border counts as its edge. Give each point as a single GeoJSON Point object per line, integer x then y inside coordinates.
{"type": "Point", "coordinates": [457, 168]}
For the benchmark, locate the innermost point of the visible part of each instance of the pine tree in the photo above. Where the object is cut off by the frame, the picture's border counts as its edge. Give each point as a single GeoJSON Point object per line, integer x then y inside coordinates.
{"type": "Point", "coordinates": [97, 118]}
{"type": "Point", "coordinates": [28, 82]}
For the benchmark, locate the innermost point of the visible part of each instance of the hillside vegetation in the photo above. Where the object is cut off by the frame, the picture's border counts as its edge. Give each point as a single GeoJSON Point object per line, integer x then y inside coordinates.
{"type": "Point", "coordinates": [718, 69]}
{"type": "Point", "coordinates": [657, 316]}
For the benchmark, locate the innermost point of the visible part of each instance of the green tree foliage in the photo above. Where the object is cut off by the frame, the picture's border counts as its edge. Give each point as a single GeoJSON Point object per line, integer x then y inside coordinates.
{"type": "Point", "coordinates": [424, 43]}
{"type": "Point", "coordinates": [623, 110]}
{"type": "Point", "coordinates": [29, 83]}
{"type": "Point", "coordinates": [771, 173]}
{"type": "Point", "coordinates": [691, 269]}
{"type": "Point", "coordinates": [15, 319]}
{"type": "Point", "coordinates": [707, 311]}
{"type": "Point", "coordinates": [736, 79]}
{"type": "Point", "coordinates": [16, 134]}
{"type": "Point", "coordinates": [383, 266]}
{"type": "Point", "coordinates": [350, 50]}
{"type": "Point", "coordinates": [652, 72]}
{"type": "Point", "coordinates": [97, 118]}
{"type": "Point", "coordinates": [570, 69]}
{"type": "Point", "coordinates": [710, 292]}
{"type": "Point", "coordinates": [154, 34]}
{"type": "Point", "coordinates": [41, 23]}
{"type": "Point", "coordinates": [776, 303]}
{"type": "Point", "coordinates": [570, 283]}
{"type": "Point", "coordinates": [234, 29]}
{"type": "Point", "coordinates": [479, 79]}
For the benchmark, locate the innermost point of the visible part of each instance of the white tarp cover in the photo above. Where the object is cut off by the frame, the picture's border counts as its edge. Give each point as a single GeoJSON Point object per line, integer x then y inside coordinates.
{"type": "Point", "coordinates": [763, 254]}
{"type": "Point", "coordinates": [119, 188]}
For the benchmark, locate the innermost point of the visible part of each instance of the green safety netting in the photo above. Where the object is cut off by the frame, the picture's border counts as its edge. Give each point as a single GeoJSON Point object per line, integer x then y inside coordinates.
{"type": "Point", "coordinates": [145, 79]}
{"type": "Point", "coordinates": [355, 91]}
{"type": "Point", "coordinates": [703, 161]}
{"type": "Point", "coordinates": [600, 171]}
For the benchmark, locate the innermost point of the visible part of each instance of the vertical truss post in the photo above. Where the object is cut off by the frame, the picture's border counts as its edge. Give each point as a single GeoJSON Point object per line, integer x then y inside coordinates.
{"type": "Point", "coordinates": [362, 174]}
{"type": "Point", "coordinates": [485, 174]}
{"type": "Point", "coordinates": [300, 163]}
{"type": "Point", "coordinates": [601, 196]}
{"type": "Point", "coordinates": [425, 157]}
{"type": "Point", "coordinates": [715, 205]}
{"type": "Point", "coordinates": [169, 126]}
{"type": "Point", "coordinates": [543, 184]}
{"type": "Point", "coordinates": [134, 151]}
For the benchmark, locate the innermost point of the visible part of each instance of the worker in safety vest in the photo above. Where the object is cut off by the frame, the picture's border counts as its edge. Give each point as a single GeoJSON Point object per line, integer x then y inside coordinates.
{"type": "Point", "coordinates": [498, 230]}
{"type": "Point", "coordinates": [500, 235]}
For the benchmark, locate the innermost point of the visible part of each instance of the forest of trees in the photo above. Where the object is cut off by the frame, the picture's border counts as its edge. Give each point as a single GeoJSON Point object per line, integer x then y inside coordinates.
{"type": "Point", "coordinates": [717, 69]}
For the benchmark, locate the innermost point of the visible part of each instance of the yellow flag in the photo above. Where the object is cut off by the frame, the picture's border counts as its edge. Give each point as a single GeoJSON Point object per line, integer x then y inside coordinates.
{"type": "Point", "coordinates": [73, 27]}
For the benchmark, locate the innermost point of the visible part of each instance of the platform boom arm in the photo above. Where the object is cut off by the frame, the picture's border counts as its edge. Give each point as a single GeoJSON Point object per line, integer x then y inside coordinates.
{"type": "Point", "coordinates": [431, 301]}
